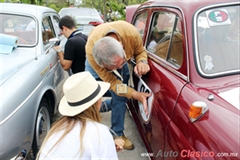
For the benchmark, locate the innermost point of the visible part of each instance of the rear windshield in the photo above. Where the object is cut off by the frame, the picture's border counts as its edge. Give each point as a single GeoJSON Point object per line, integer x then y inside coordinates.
{"type": "Point", "coordinates": [218, 34]}
{"type": "Point", "coordinates": [79, 12]}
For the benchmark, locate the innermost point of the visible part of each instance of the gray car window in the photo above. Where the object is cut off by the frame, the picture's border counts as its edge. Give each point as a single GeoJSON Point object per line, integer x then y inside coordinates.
{"type": "Point", "coordinates": [17, 25]}
{"type": "Point", "coordinates": [56, 26]}
{"type": "Point", "coordinates": [47, 30]}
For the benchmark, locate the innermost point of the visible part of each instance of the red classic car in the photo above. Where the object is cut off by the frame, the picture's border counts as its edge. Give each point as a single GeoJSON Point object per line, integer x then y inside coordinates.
{"type": "Point", "coordinates": [193, 49]}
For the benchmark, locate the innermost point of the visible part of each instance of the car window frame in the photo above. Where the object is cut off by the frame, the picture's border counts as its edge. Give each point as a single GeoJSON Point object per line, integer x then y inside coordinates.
{"type": "Point", "coordinates": [183, 71]}
{"type": "Point", "coordinates": [48, 45]}
{"type": "Point", "coordinates": [56, 28]}
{"type": "Point", "coordinates": [24, 29]}
{"type": "Point", "coordinates": [196, 43]}
{"type": "Point", "coordinates": [143, 35]}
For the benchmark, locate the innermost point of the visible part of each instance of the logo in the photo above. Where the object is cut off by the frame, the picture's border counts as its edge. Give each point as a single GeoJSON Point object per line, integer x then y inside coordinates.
{"type": "Point", "coordinates": [218, 16]}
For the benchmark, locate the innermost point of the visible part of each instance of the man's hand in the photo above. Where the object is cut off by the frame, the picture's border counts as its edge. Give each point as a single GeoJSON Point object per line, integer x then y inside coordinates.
{"type": "Point", "coordinates": [66, 64]}
{"type": "Point", "coordinates": [141, 68]}
{"type": "Point", "coordinates": [142, 97]}
{"type": "Point", "coordinates": [57, 48]}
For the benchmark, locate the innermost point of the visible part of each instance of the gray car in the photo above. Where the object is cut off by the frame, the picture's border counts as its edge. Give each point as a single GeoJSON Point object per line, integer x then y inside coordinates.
{"type": "Point", "coordinates": [31, 76]}
{"type": "Point", "coordinates": [86, 18]}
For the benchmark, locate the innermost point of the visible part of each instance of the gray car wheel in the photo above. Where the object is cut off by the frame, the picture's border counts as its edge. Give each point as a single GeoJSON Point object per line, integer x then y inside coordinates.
{"type": "Point", "coordinates": [42, 126]}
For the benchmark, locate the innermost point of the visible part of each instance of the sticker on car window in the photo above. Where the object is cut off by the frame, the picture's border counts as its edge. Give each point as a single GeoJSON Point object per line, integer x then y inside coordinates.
{"type": "Point", "coordinates": [208, 63]}
{"type": "Point", "coordinates": [218, 17]}
{"type": "Point", "coordinates": [143, 87]}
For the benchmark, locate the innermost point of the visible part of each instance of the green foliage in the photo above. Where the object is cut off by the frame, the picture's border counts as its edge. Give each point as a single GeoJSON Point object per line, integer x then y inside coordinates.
{"type": "Point", "coordinates": [115, 5]}
{"type": "Point", "coordinates": [26, 1]}
{"type": "Point", "coordinates": [102, 5]}
{"type": "Point", "coordinates": [53, 6]}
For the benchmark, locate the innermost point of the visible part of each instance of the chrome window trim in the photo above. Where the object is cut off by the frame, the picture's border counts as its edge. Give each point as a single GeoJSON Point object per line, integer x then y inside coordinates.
{"type": "Point", "coordinates": [172, 69]}
{"type": "Point", "coordinates": [196, 55]}
{"type": "Point", "coordinates": [136, 18]}
{"type": "Point", "coordinates": [157, 59]}
{"type": "Point", "coordinates": [35, 19]}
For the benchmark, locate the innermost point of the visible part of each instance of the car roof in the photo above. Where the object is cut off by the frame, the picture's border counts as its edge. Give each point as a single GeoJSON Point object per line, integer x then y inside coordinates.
{"type": "Point", "coordinates": [130, 11]}
{"type": "Point", "coordinates": [79, 11]}
{"type": "Point", "coordinates": [186, 5]}
{"type": "Point", "coordinates": [184, 2]}
{"type": "Point", "coordinates": [20, 8]}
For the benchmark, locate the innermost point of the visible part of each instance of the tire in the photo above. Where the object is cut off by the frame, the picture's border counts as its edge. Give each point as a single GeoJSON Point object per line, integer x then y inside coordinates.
{"type": "Point", "coordinates": [42, 126]}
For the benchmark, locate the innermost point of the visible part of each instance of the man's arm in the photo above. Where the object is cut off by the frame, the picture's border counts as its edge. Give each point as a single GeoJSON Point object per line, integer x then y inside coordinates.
{"type": "Point", "coordinates": [66, 64]}
{"type": "Point", "coordinates": [141, 58]}
{"type": "Point", "coordinates": [139, 51]}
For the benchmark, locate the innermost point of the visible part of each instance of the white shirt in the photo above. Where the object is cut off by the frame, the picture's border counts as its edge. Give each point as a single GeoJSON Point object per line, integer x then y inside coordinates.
{"type": "Point", "coordinates": [152, 46]}
{"type": "Point", "coordinates": [98, 144]}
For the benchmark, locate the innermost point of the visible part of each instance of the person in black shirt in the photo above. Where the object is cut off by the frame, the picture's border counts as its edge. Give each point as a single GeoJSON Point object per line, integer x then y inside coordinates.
{"type": "Point", "coordinates": [73, 56]}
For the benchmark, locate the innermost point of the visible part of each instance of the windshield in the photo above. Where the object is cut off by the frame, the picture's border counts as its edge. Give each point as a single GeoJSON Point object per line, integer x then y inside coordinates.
{"type": "Point", "coordinates": [218, 34]}
{"type": "Point", "coordinates": [90, 12]}
{"type": "Point", "coordinates": [20, 26]}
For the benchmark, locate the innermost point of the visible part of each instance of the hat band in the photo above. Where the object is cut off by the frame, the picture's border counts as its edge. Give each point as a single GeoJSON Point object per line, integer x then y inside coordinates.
{"type": "Point", "coordinates": [87, 99]}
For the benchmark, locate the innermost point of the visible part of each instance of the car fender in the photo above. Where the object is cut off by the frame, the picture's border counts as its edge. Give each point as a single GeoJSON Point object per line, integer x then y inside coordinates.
{"type": "Point", "coordinates": [208, 128]}
{"type": "Point", "coordinates": [33, 99]}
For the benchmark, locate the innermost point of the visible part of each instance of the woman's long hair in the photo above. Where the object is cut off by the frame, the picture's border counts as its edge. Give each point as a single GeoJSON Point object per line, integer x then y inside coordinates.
{"type": "Point", "coordinates": [67, 123]}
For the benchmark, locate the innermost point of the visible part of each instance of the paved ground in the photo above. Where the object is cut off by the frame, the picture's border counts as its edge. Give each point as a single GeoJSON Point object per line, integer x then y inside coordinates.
{"type": "Point", "coordinates": [130, 132]}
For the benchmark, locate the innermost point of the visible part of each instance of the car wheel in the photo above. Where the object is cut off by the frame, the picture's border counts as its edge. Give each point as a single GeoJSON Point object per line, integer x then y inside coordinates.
{"type": "Point", "coordinates": [42, 126]}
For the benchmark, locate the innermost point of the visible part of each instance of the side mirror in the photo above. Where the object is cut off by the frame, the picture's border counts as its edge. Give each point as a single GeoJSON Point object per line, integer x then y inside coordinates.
{"type": "Point", "coordinates": [54, 41]}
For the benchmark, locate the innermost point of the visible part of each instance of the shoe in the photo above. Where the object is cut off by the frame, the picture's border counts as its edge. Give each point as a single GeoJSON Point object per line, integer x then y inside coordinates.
{"type": "Point", "coordinates": [128, 144]}
{"type": "Point", "coordinates": [149, 136]}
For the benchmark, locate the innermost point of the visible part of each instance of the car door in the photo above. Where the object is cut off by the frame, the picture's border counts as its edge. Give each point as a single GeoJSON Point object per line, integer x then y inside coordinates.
{"type": "Point", "coordinates": [164, 42]}
{"type": "Point", "coordinates": [50, 30]}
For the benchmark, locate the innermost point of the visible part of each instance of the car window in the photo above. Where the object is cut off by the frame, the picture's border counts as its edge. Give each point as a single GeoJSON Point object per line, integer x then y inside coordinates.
{"type": "Point", "coordinates": [90, 12]}
{"type": "Point", "coordinates": [165, 38]}
{"type": "Point", "coordinates": [218, 35]}
{"type": "Point", "coordinates": [86, 18]}
{"type": "Point", "coordinates": [140, 22]}
{"type": "Point", "coordinates": [17, 25]}
{"type": "Point", "coordinates": [56, 26]}
{"type": "Point", "coordinates": [47, 30]}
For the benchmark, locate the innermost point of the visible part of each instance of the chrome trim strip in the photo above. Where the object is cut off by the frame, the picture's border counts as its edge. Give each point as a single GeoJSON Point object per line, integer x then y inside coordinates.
{"type": "Point", "coordinates": [169, 68]}
{"type": "Point", "coordinates": [49, 48]}
{"type": "Point", "coordinates": [10, 115]}
{"type": "Point", "coordinates": [196, 57]}
{"type": "Point", "coordinates": [13, 112]}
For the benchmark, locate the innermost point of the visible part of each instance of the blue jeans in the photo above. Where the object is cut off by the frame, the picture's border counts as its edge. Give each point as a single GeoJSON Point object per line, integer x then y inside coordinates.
{"type": "Point", "coordinates": [117, 103]}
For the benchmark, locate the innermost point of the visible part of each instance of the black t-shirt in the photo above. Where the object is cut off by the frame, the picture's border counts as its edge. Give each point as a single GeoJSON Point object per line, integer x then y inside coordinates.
{"type": "Point", "coordinates": [75, 51]}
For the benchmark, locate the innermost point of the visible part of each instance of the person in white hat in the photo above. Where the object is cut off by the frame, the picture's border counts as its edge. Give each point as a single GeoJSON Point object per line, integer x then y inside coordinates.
{"type": "Point", "coordinates": [78, 134]}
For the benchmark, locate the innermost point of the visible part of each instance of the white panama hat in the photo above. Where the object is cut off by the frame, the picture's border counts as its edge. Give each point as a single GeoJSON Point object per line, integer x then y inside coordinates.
{"type": "Point", "coordinates": [81, 91]}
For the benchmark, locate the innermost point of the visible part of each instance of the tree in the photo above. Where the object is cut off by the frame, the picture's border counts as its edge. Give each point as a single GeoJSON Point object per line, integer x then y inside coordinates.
{"type": "Point", "coordinates": [101, 5]}
{"type": "Point", "coordinates": [115, 5]}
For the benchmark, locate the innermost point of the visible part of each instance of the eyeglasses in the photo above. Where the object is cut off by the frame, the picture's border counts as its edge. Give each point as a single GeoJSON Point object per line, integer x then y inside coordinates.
{"type": "Point", "coordinates": [110, 70]}
{"type": "Point", "coordinates": [124, 62]}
